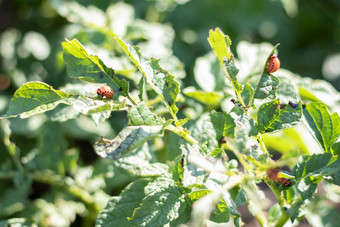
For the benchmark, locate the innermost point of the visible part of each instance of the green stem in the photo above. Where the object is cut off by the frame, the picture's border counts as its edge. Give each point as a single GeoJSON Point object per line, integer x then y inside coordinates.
{"type": "Point", "coordinates": [283, 219]}
{"type": "Point", "coordinates": [261, 218]}
{"type": "Point", "coordinates": [275, 191]}
{"type": "Point", "coordinates": [284, 216]}
{"type": "Point", "coordinates": [256, 88]}
{"type": "Point", "coordinates": [131, 100]}
{"type": "Point", "coordinates": [182, 133]}
{"type": "Point", "coordinates": [239, 97]}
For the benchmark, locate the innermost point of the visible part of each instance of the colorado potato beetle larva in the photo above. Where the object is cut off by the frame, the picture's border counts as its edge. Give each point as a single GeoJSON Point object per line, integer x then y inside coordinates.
{"type": "Point", "coordinates": [273, 64]}
{"type": "Point", "coordinates": [105, 91]}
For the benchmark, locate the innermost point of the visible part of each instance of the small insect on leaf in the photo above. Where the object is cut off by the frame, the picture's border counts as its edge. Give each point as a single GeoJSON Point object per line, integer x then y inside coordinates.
{"type": "Point", "coordinates": [223, 140]}
{"type": "Point", "coordinates": [273, 174]}
{"type": "Point", "coordinates": [293, 105]}
{"type": "Point", "coordinates": [105, 91]}
{"type": "Point", "coordinates": [284, 181]}
{"type": "Point", "coordinates": [273, 64]}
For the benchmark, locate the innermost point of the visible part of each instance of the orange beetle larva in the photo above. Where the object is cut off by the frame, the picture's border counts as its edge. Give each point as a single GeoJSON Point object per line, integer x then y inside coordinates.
{"type": "Point", "coordinates": [273, 174]}
{"type": "Point", "coordinates": [273, 64]}
{"type": "Point", "coordinates": [105, 91]}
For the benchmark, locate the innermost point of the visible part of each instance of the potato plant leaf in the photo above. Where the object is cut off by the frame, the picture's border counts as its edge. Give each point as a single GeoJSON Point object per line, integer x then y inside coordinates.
{"type": "Point", "coordinates": [34, 98]}
{"type": "Point", "coordinates": [138, 164]}
{"type": "Point", "coordinates": [267, 86]}
{"type": "Point", "coordinates": [220, 43]}
{"type": "Point", "coordinates": [270, 118]}
{"type": "Point", "coordinates": [160, 208]}
{"type": "Point", "coordinates": [247, 92]}
{"type": "Point", "coordinates": [143, 125]}
{"type": "Point", "coordinates": [161, 81]}
{"type": "Point", "coordinates": [79, 64]}
{"type": "Point", "coordinates": [119, 208]}
{"type": "Point", "coordinates": [325, 127]}
{"type": "Point", "coordinates": [316, 165]}
{"type": "Point", "coordinates": [207, 98]}
{"type": "Point", "coordinates": [224, 125]}
{"type": "Point", "coordinates": [219, 213]}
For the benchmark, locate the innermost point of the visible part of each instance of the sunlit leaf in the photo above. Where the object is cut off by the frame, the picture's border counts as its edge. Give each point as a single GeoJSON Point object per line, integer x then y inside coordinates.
{"type": "Point", "coordinates": [138, 164]}
{"type": "Point", "coordinates": [271, 118]}
{"type": "Point", "coordinates": [143, 125]}
{"type": "Point", "coordinates": [119, 208]}
{"type": "Point", "coordinates": [34, 98]}
{"type": "Point", "coordinates": [160, 208]}
{"type": "Point", "coordinates": [80, 64]}
{"type": "Point", "coordinates": [162, 82]}
{"type": "Point", "coordinates": [325, 127]}
{"type": "Point", "coordinates": [316, 165]}
{"type": "Point", "coordinates": [208, 98]}
{"type": "Point", "coordinates": [220, 43]}
{"type": "Point", "coordinates": [267, 86]}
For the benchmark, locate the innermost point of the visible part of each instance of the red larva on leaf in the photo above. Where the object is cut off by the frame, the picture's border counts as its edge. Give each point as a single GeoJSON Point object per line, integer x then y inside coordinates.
{"type": "Point", "coordinates": [273, 174]}
{"type": "Point", "coordinates": [284, 181]}
{"type": "Point", "coordinates": [273, 64]}
{"type": "Point", "coordinates": [105, 91]}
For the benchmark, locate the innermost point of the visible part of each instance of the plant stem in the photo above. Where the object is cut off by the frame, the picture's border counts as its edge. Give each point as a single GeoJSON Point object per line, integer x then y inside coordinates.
{"type": "Point", "coordinates": [253, 95]}
{"type": "Point", "coordinates": [182, 133]}
{"type": "Point", "coordinates": [283, 219]}
{"type": "Point", "coordinates": [275, 191]}
{"type": "Point", "coordinates": [131, 100]}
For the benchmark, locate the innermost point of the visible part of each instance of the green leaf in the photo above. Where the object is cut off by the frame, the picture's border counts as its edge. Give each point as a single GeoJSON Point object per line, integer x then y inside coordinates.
{"type": "Point", "coordinates": [246, 94]}
{"type": "Point", "coordinates": [138, 164]}
{"type": "Point", "coordinates": [287, 90]}
{"type": "Point", "coordinates": [204, 207]}
{"type": "Point", "coordinates": [336, 148]}
{"type": "Point", "coordinates": [220, 43]}
{"type": "Point", "coordinates": [208, 98]}
{"type": "Point", "coordinates": [316, 165]}
{"type": "Point", "coordinates": [51, 148]}
{"type": "Point", "coordinates": [224, 125]}
{"type": "Point", "coordinates": [306, 188]}
{"type": "Point", "coordinates": [142, 115]}
{"type": "Point", "coordinates": [79, 64]}
{"type": "Point", "coordinates": [294, 210]}
{"type": "Point", "coordinates": [334, 178]}
{"type": "Point", "coordinates": [270, 118]}
{"type": "Point", "coordinates": [34, 98]}
{"type": "Point", "coordinates": [119, 208]}
{"type": "Point", "coordinates": [220, 213]}
{"type": "Point", "coordinates": [318, 90]}
{"type": "Point", "coordinates": [13, 200]}
{"type": "Point", "coordinates": [204, 131]}
{"type": "Point", "coordinates": [142, 126]}
{"type": "Point", "coordinates": [209, 75]}
{"type": "Point", "coordinates": [160, 208]}
{"type": "Point", "coordinates": [274, 213]}
{"type": "Point", "coordinates": [99, 110]}
{"type": "Point", "coordinates": [162, 82]}
{"type": "Point", "coordinates": [266, 87]}
{"type": "Point", "coordinates": [325, 127]}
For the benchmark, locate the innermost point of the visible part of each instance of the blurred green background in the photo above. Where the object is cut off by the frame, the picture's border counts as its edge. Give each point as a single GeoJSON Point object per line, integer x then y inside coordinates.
{"type": "Point", "coordinates": [31, 32]}
{"type": "Point", "coordinates": [308, 31]}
